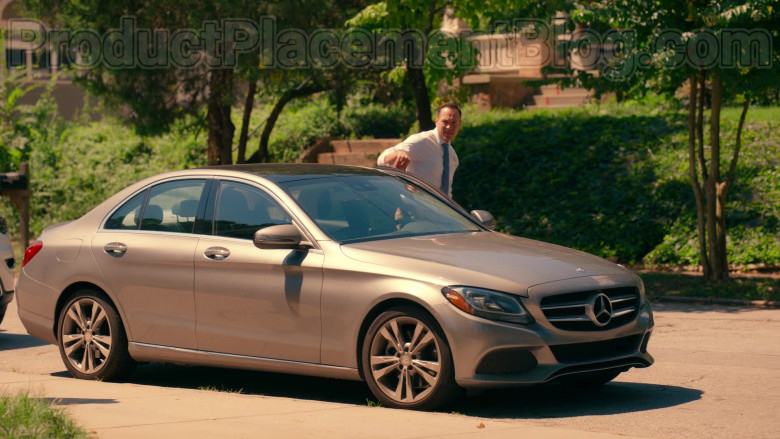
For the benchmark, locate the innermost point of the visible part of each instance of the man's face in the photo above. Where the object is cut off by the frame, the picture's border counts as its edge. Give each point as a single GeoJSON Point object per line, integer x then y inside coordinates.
{"type": "Point", "coordinates": [448, 123]}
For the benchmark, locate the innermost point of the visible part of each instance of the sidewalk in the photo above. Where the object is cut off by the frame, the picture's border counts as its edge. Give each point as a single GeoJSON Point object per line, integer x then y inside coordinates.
{"type": "Point", "coordinates": [111, 410]}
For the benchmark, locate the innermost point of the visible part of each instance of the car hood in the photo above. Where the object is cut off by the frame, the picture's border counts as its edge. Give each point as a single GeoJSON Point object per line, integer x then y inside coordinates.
{"type": "Point", "coordinates": [482, 259]}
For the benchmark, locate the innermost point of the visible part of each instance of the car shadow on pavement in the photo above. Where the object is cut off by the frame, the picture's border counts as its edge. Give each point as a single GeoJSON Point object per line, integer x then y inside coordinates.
{"type": "Point", "coordinates": [537, 402]}
{"type": "Point", "coordinates": [252, 383]}
{"type": "Point", "coordinates": [80, 401]}
{"type": "Point", "coordinates": [561, 401]}
{"type": "Point", "coordinates": [10, 341]}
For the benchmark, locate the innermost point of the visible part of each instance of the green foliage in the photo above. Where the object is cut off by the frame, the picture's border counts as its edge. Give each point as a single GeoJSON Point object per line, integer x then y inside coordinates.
{"type": "Point", "coordinates": [377, 121]}
{"type": "Point", "coordinates": [86, 163]}
{"type": "Point", "coordinates": [305, 121]}
{"type": "Point", "coordinates": [688, 285]}
{"type": "Point", "coordinates": [23, 127]}
{"type": "Point", "coordinates": [301, 124]}
{"type": "Point", "coordinates": [25, 417]}
{"type": "Point", "coordinates": [612, 180]}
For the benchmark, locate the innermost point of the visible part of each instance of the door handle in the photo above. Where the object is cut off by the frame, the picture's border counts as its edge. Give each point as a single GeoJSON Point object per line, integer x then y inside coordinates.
{"type": "Point", "coordinates": [217, 253]}
{"type": "Point", "coordinates": [115, 249]}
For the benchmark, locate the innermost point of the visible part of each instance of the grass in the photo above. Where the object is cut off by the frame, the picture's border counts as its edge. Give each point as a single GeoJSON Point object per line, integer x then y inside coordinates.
{"type": "Point", "coordinates": [24, 417]}
{"type": "Point", "coordinates": [755, 114]}
{"type": "Point", "coordinates": [222, 388]}
{"type": "Point", "coordinates": [371, 403]}
{"type": "Point", "coordinates": [692, 285]}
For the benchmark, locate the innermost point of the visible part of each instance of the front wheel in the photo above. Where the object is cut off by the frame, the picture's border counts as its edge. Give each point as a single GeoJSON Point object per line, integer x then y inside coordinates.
{"type": "Point", "coordinates": [407, 362]}
{"type": "Point", "coordinates": [92, 340]}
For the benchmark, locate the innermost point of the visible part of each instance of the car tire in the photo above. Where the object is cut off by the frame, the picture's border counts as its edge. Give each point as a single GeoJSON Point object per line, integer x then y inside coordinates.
{"type": "Point", "coordinates": [3, 309]}
{"type": "Point", "coordinates": [92, 339]}
{"type": "Point", "coordinates": [407, 362]}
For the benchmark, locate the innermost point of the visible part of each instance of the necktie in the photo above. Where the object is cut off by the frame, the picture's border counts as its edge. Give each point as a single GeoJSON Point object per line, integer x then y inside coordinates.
{"type": "Point", "coordinates": [445, 174]}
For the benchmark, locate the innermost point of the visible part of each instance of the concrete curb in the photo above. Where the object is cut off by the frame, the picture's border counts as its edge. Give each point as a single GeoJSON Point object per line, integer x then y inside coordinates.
{"type": "Point", "coordinates": [767, 304]}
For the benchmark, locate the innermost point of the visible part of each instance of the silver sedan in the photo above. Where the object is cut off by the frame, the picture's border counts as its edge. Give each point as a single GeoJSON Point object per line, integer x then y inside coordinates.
{"type": "Point", "coordinates": [340, 272]}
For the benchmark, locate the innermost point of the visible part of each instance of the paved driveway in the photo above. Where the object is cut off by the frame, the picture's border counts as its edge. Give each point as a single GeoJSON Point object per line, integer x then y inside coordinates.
{"type": "Point", "coordinates": [717, 375]}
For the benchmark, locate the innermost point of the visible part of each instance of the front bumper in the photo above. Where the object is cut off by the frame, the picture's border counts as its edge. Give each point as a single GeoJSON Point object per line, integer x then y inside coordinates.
{"type": "Point", "coordinates": [6, 297]}
{"type": "Point", "coordinates": [6, 293]}
{"type": "Point", "coordinates": [495, 354]}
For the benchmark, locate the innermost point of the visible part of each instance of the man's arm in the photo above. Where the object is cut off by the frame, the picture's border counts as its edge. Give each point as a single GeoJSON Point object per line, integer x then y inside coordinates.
{"type": "Point", "coordinates": [395, 156]}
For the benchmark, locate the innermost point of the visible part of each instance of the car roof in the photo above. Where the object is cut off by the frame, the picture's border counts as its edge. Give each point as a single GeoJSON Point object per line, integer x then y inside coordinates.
{"type": "Point", "coordinates": [283, 172]}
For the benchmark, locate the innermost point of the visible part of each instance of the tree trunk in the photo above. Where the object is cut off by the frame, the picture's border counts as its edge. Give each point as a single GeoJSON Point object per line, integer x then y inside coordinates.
{"type": "Point", "coordinates": [716, 217]}
{"type": "Point", "coordinates": [416, 79]}
{"type": "Point", "coordinates": [694, 176]}
{"type": "Point", "coordinates": [220, 126]}
{"type": "Point", "coordinates": [306, 88]}
{"type": "Point", "coordinates": [248, 104]}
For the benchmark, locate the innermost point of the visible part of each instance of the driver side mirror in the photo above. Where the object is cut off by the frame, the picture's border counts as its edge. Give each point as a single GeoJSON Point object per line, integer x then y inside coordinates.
{"type": "Point", "coordinates": [485, 218]}
{"type": "Point", "coordinates": [282, 236]}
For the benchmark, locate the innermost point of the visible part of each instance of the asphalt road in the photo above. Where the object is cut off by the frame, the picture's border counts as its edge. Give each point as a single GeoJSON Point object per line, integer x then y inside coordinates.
{"type": "Point", "coordinates": [717, 375]}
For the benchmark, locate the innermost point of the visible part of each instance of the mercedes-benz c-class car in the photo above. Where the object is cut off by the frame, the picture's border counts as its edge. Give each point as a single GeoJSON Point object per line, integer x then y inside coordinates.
{"type": "Point", "coordinates": [335, 271]}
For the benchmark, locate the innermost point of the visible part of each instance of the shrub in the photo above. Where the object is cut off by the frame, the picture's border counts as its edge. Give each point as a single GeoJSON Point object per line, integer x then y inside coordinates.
{"type": "Point", "coordinates": [613, 181]}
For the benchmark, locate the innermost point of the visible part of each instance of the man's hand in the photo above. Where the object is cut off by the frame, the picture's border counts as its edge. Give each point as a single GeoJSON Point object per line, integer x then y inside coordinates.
{"type": "Point", "coordinates": [398, 159]}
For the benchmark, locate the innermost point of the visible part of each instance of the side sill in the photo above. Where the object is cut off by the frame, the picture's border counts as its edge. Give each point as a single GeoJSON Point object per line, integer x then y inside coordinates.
{"type": "Point", "coordinates": [144, 352]}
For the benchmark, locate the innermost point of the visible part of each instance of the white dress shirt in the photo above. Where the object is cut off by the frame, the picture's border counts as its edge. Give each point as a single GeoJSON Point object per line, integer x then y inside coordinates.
{"type": "Point", "coordinates": [426, 157]}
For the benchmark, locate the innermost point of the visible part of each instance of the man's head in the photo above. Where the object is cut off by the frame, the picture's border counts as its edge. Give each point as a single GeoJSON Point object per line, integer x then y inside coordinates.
{"type": "Point", "coordinates": [448, 121]}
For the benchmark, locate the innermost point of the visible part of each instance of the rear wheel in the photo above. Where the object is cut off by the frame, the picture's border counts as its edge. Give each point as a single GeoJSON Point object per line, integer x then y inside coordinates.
{"type": "Point", "coordinates": [3, 308]}
{"type": "Point", "coordinates": [92, 340]}
{"type": "Point", "coordinates": [407, 362]}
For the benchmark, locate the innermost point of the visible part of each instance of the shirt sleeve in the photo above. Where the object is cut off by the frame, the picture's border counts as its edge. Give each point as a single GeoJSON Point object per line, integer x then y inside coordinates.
{"type": "Point", "coordinates": [380, 161]}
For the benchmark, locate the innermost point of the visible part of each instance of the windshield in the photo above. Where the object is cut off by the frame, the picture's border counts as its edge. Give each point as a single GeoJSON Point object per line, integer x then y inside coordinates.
{"type": "Point", "coordinates": [361, 207]}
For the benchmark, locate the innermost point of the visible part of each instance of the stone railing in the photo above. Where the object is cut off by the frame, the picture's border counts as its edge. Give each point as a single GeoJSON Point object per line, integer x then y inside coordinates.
{"type": "Point", "coordinates": [510, 53]}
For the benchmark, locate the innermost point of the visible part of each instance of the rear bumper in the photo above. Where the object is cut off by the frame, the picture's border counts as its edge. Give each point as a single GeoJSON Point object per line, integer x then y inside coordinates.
{"type": "Point", "coordinates": [36, 307]}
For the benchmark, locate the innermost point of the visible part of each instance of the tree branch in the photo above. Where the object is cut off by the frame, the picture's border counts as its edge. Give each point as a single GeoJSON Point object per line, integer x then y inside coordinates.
{"type": "Point", "coordinates": [733, 166]}
{"type": "Point", "coordinates": [700, 125]}
{"type": "Point", "coordinates": [305, 88]}
{"type": "Point", "coordinates": [248, 105]}
{"type": "Point", "coordinates": [701, 213]}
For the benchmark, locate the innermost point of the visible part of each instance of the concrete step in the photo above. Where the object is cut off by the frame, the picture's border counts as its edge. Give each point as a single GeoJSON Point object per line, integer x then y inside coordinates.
{"type": "Point", "coordinates": [368, 145]}
{"type": "Point", "coordinates": [558, 101]}
{"type": "Point", "coordinates": [532, 107]}
{"type": "Point", "coordinates": [555, 90]}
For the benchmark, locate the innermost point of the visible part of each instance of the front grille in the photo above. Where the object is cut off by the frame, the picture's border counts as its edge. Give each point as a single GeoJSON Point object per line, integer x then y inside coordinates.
{"type": "Point", "coordinates": [597, 350]}
{"type": "Point", "coordinates": [574, 311]}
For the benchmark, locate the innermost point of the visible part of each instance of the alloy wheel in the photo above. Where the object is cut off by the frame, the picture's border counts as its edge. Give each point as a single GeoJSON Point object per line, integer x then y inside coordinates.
{"type": "Point", "coordinates": [405, 360]}
{"type": "Point", "coordinates": [86, 336]}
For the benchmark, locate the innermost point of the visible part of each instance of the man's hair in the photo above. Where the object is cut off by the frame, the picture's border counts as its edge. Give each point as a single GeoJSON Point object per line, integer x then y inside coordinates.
{"type": "Point", "coordinates": [448, 105]}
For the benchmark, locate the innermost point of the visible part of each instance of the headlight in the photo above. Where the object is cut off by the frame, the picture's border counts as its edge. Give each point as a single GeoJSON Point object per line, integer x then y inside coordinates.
{"type": "Point", "coordinates": [488, 304]}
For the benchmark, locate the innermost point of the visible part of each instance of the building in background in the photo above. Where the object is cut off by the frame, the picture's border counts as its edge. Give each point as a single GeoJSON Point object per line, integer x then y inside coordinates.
{"type": "Point", "coordinates": [40, 65]}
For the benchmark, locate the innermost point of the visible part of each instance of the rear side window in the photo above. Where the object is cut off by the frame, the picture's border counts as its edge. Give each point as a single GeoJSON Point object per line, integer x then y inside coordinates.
{"type": "Point", "coordinates": [170, 207]}
{"type": "Point", "coordinates": [124, 218]}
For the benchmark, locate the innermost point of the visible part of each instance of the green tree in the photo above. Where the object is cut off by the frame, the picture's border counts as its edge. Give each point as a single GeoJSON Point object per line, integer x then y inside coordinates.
{"type": "Point", "coordinates": [158, 91]}
{"type": "Point", "coordinates": [298, 74]}
{"type": "Point", "coordinates": [713, 50]}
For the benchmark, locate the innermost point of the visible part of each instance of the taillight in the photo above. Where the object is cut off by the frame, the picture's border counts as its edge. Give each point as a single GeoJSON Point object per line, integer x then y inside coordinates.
{"type": "Point", "coordinates": [31, 252]}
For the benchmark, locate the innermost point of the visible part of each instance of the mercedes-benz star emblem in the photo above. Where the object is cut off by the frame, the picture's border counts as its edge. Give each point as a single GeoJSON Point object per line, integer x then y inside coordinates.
{"type": "Point", "coordinates": [600, 310]}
